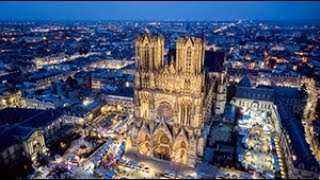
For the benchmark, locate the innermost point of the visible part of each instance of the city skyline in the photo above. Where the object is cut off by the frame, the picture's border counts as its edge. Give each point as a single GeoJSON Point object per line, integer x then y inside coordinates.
{"type": "Point", "coordinates": [170, 90]}
{"type": "Point", "coordinates": [160, 11]}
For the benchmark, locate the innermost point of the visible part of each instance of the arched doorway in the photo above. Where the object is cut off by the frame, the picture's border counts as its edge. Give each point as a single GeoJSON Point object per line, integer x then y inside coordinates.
{"type": "Point", "coordinates": [181, 155]}
{"type": "Point", "coordinates": [144, 147]}
{"type": "Point", "coordinates": [162, 151]}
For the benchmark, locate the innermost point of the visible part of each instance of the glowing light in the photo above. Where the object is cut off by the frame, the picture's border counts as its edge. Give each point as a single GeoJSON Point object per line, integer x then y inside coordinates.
{"type": "Point", "coordinates": [127, 84]}
{"type": "Point", "coordinates": [86, 102]}
{"type": "Point", "coordinates": [294, 67]}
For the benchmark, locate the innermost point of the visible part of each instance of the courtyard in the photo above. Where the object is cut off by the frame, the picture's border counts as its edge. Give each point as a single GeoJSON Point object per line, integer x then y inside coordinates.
{"type": "Point", "coordinates": [256, 151]}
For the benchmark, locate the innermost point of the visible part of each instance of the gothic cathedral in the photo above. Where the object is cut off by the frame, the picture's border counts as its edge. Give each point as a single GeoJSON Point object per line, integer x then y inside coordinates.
{"type": "Point", "coordinates": [169, 99]}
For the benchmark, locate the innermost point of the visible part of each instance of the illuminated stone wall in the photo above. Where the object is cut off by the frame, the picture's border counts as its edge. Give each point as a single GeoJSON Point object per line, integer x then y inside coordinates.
{"type": "Point", "coordinates": [169, 99]}
{"type": "Point", "coordinates": [8, 99]}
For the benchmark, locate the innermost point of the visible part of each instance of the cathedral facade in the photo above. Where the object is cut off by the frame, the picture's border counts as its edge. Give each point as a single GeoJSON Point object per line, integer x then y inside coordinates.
{"type": "Point", "coordinates": [169, 100]}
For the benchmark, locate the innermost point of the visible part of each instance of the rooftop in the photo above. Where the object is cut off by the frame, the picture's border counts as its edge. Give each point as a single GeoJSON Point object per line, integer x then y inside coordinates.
{"type": "Point", "coordinates": [299, 146]}
{"type": "Point", "coordinates": [17, 124]}
{"type": "Point", "coordinates": [245, 82]}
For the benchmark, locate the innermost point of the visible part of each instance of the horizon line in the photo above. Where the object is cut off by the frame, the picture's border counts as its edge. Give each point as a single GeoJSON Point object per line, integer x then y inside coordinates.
{"type": "Point", "coordinates": [155, 20]}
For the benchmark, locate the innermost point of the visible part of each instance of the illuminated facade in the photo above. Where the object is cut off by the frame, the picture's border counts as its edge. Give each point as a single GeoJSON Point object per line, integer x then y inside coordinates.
{"type": "Point", "coordinates": [32, 145]}
{"type": "Point", "coordinates": [169, 100]}
{"type": "Point", "coordinates": [111, 64]}
{"type": "Point", "coordinates": [282, 103]}
{"type": "Point", "coordinates": [120, 103]}
{"type": "Point", "coordinates": [26, 133]}
{"type": "Point", "coordinates": [10, 99]}
{"type": "Point", "coordinates": [265, 78]}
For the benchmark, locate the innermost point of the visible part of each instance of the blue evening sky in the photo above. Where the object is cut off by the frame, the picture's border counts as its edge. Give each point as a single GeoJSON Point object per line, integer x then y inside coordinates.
{"type": "Point", "coordinates": [189, 10]}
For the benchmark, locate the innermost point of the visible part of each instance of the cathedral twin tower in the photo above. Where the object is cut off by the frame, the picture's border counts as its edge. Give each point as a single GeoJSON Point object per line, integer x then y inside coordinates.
{"type": "Point", "coordinates": [168, 98]}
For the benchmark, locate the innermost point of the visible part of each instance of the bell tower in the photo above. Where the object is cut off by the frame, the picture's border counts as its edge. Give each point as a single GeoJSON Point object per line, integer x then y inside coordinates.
{"type": "Point", "coordinates": [149, 52]}
{"type": "Point", "coordinates": [149, 60]}
{"type": "Point", "coordinates": [168, 99]}
{"type": "Point", "coordinates": [190, 55]}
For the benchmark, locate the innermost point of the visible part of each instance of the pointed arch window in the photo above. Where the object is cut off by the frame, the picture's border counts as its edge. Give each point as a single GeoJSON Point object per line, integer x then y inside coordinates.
{"type": "Point", "coordinates": [188, 60]}
{"type": "Point", "coordinates": [188, 115]}
{"type": "Point", "coordinates": [182, 154]}
{"type": "Point", "coordinates": [182, 114]}
{"type": "Point", "coordinates": [146, 138]}
{"type": "Point", "coordinates": [183, 145]}
{"type": "Point", "coordinates": [146, 56]}
{"type": "Point", "coordinates": [185, 114]}
{"type": "Point", "coordinates": [146, 82]}
{"type": "Point", "coordinates": [187, 83]}
{"type": "Point", "coordinates": [145, 114]}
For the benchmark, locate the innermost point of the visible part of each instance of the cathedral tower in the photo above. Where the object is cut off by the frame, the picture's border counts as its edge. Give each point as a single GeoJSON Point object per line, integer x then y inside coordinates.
{"type": "Point", "coordinates": [168, 99]}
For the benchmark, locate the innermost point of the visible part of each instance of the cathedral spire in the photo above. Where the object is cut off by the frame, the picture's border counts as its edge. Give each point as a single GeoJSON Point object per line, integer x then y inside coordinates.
{"type": "Point", "coordinates": [171, 60]}
{"type": "Point", "coordinates": [172, 69]}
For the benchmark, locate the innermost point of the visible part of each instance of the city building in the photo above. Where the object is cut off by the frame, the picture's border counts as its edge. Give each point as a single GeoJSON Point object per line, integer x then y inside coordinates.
{"type": "Point", "coordinates": [119, 103]}
{"type": "Point", "coordinates": [87, 111]}
{"type": "Point", "coordinates": [10, 98]}
{"type": "Point", "coordinates": [26, 134]}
